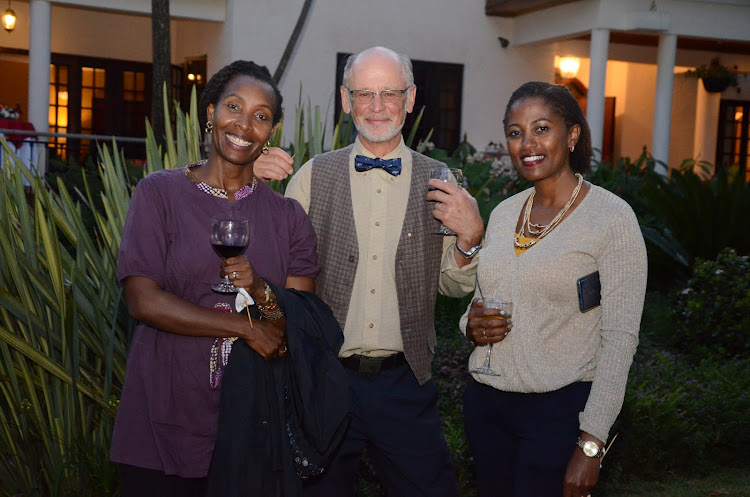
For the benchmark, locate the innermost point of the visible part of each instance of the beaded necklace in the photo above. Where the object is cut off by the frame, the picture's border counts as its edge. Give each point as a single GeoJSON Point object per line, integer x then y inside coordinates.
{"type": "Point", "coordinates": [243, 192]}
{"type": "Point", "coordinates": [526, 225]}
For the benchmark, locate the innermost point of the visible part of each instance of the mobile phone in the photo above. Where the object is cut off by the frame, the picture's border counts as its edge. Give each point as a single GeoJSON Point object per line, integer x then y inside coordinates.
{"type": "Point", "coordinates": [589, 292]}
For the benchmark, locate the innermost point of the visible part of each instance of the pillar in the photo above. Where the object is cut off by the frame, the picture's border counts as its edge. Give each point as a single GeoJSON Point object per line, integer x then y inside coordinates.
{"type": "Point", "coordinates": [663, 101]}
{"type": "Point", "coordinates": [40, 33]}
{"type": "Point", "coordinates": [599, 53]}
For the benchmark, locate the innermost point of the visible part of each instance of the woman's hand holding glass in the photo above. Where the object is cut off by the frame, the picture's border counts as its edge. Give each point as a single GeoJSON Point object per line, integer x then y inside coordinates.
{"type": "Point", "coordinates": [229, 238]}
{"type": "Point", "coordinates": [489, 323]}
{"type": "Point", "coordinates": [265, 338]}
{"type": "Point", "coordinates": [485, 326]}
{"type": "Point", "coordinates": [242, 274]}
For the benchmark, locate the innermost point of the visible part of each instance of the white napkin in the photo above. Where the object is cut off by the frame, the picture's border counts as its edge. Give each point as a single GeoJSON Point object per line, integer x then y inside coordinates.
{"type": "Point", "coordinates": [242, 300]}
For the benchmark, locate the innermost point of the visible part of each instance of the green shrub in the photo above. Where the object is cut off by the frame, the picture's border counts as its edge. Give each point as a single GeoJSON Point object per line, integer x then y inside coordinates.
{"type": "Point", "coordinates": [450, 374]}
{"type": "Point", "coordinates": [626, 179]}
{"type": "Point", "coordinates": [63, 322]}
{"type": "Point", "coordinates": [62, 338]}
{"type": "Point", "coordinates": [712, 314]}
{"type": "Point", "coordinates": [682, 417]}
{"type": "Point", "coordinates": [700, 216]}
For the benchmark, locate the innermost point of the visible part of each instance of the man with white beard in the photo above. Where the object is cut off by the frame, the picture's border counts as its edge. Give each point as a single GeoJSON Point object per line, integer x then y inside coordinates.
{"type": "Point", "coordinates": [382, 266]}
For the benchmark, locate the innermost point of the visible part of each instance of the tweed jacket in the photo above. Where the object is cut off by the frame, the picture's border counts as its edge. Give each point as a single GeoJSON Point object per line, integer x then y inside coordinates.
{"type": "Point", "coordinates": [418, 255]}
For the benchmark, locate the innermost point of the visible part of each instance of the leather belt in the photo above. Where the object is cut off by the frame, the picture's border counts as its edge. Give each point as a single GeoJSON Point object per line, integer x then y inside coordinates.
{"type": "Point", "coordinates": [373, 365]}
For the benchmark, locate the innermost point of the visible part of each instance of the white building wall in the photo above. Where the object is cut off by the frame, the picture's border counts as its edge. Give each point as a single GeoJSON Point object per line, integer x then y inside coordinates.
{"type": "Point", "coordinates": [101, 34]}
{"type": "Point", "coordinates": [682, 133]}
{"type": "Point", "coordinates": [195, 38]}
{"type": "Point", "coordinates": [453, 32]}
{"type": "Point", "coordinates": [445, 31]}
{"type": "Point", "coordinates": [91, 33]}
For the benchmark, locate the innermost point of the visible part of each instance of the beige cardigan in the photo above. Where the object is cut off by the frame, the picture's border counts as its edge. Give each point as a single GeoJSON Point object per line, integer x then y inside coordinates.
{"type": "Point", "coordinates": [554, 344]}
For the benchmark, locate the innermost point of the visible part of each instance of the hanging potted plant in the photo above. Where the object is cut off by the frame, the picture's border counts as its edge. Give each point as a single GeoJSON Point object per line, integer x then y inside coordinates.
{"type": "Point", "coordinates": [715, 77]}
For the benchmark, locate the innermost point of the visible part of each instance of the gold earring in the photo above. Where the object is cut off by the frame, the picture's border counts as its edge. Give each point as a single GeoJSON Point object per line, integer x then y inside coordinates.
{"type": "Point", "coordinates": [265, 148]}
{"type": "Point", "coordinates": [209, 127]}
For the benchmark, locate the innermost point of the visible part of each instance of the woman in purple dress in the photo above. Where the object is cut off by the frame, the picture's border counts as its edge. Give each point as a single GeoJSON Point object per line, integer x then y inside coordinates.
{"type": "Point", "coordinates": [166, 423]}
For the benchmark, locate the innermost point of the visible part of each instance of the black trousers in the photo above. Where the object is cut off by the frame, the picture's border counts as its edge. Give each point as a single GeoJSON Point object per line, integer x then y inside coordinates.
{"type": "Point", "coordinates": [397, 421]}
{"type": "Point", "coordinates": [142, 482]}
{"type": "Point", "coordinates": [522, 442]}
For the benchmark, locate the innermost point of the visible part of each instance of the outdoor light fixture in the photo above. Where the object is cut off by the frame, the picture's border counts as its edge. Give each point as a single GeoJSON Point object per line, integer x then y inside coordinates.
{"type": "Point", "coordinates": [9, 19]}
{"type": "Point", "coordinates": [569, 67]}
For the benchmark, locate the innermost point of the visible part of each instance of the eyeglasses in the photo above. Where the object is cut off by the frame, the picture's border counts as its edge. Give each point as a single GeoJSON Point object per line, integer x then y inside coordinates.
{"type": "Point", "coordinates": [367, 96]}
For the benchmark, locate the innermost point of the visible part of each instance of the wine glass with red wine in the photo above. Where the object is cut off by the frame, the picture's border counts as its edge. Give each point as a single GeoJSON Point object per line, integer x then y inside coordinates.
{"type": "Point", "coordinates": [229, 239]}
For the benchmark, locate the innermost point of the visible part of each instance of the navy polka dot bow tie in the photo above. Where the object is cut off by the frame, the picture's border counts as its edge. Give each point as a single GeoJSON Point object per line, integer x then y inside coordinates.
{"type": "Point", "coordinates": [391, 166]}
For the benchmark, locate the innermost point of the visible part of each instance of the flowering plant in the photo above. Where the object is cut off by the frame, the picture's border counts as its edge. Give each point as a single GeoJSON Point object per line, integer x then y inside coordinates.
{"type": "Point", "coordinates": [7, 112]}
{"type": "Point", "coordinates": [715, 71]}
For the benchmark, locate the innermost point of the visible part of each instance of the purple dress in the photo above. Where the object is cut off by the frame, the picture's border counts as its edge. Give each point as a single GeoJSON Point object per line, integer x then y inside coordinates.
{"type": "Point", "coordinates": [167, 417]}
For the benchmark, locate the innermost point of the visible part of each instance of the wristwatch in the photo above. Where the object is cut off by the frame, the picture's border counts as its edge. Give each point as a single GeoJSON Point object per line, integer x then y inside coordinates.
{"type": "Point", "coordinates": [590, 448]}
{"type": "Point", "coordinates": [469, 254]}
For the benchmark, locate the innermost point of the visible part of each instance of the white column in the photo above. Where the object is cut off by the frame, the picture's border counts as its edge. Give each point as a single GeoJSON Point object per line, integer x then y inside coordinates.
{"type": "Point", "coordinates": [663, 102]}
{"type": "Point", "coordinates": [706, 122]}
{"type": "Point", "coordinates": [599, 53]}
{"type": "Point", "coordinates": [40, 14]}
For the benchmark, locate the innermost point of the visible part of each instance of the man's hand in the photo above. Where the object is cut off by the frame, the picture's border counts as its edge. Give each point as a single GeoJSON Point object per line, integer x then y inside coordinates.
{"type": "Point", "coordinates": [277, 164]}
{"type": "Point", "coordinates": [458, 210]}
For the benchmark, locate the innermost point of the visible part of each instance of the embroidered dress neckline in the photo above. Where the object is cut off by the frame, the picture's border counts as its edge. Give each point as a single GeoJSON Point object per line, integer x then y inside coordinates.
{"type": "Point", "coordinates": [243, 192]}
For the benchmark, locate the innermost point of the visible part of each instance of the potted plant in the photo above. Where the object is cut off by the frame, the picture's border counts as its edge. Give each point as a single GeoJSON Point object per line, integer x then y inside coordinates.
{"type": "Point", "coordinates": [715, 77]}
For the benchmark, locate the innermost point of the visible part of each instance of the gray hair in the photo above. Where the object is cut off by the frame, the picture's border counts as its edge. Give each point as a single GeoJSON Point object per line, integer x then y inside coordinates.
{"type": "Point", "coordinates": [406, 67]}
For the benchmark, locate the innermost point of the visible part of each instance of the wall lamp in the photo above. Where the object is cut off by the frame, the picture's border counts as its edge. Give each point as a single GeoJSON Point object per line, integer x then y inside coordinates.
{"type": "Point", "coordinates": [569, 67]}
{"type": "Point", "coordinates": [9, 19]}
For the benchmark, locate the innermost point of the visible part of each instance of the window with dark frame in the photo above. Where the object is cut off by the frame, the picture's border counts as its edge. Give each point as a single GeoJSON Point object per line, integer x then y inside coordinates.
{"type": "Point", "coordinates": [733, 136]}
{"type": "Point", "coordinates": [439, 91]}
{"type": "Point", "coordinates": [58, 108]}
{"type": "Point", "coordinates": [101, 97]}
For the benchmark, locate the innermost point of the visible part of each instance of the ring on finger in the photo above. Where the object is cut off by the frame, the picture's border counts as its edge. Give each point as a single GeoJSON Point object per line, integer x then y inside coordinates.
{"type": "Point", "coordinates": [234, 275]}
{"type": "Point", "coordinates": [484, 333]}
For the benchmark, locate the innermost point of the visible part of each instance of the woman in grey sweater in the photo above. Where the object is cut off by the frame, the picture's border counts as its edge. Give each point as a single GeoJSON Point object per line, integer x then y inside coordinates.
{"type": "Point", "coordinates": [538, 427]}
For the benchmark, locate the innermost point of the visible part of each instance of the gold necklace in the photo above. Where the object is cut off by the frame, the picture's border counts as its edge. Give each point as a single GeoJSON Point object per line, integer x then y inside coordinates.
{"type": "Point", "coordinates": [526, 225]}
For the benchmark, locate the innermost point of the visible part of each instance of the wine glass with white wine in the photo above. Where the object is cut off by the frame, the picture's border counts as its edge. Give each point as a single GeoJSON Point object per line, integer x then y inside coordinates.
{"type": "Point", "coordinates": [506, 312]}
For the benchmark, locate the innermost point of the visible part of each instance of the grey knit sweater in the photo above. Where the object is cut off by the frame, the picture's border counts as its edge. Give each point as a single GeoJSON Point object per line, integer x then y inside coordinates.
{"type": "Point", "coordinates": [554, 344]}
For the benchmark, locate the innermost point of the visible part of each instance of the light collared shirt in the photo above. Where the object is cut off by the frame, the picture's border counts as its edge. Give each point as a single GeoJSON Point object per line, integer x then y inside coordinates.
{"type": "Point", "coordinates": [379, 203]}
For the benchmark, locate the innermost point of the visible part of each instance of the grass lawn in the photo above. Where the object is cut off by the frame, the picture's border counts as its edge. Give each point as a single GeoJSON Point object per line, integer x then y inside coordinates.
{"type": "Point", "coordinates": [729, 482]}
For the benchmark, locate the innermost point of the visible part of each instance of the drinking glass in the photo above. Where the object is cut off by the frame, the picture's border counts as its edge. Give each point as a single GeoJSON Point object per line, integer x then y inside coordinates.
{"type": "Point", "coordinates": [229, 238]}
{"type": "Point", "coordinates": [506, 312]}
{"type": "Point", "coordinates": [444, 173]}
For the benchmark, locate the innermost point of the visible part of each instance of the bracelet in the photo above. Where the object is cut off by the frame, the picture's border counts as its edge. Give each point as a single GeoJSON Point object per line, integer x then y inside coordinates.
{"type": "Point", "coordinates": [269, 308]}
{"type": "Point", "coordinates": [271, 313]}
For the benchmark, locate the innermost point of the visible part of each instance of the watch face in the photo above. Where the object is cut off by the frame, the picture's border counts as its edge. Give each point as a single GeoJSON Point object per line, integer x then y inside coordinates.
{"type": "Point", "coordinates": [590, 449]}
